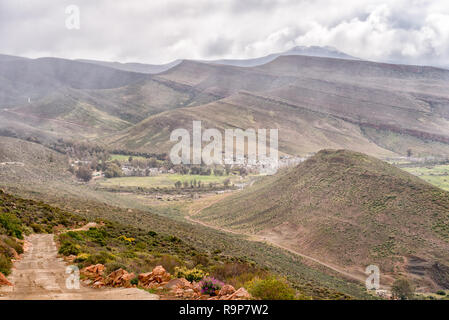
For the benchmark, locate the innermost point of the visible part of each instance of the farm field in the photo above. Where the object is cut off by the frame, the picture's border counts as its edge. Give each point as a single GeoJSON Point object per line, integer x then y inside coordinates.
{"type": "Point", "coordinates": [168, 180]}
{"type": "Point", "coordinates": [437, 175]}
{"type": "Point", "coordinates": [124, 157]}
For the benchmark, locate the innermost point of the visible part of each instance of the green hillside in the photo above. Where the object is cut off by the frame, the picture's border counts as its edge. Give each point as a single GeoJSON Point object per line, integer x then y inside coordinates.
{"type": "Point", "coordinates": [349, 209]}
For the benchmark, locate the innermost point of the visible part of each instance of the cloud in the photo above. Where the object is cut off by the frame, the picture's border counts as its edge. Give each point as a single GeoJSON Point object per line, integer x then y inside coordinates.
{"type": "Point", "coordinates": [405, 31]}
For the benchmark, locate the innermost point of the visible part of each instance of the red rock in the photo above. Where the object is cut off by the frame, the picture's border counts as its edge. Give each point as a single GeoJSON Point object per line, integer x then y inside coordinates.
{"type": "Point", "coordinates": [93, 271]}
{"type": "Point", "coordinates": [180, 283]}
{"type": "Point", "coordinates": [196, 287]}
{"type": "Point", "coordinates": [158, 276]}
{"type": "Point", "coordinates": [240, 294]}
{"type": "Point", "coordinates": [227, 289]}
{"type": "Point", "coordinates": [98, 284]}
{"type": "Point", "coordinates": [4, 281]}
{"type": "Point", "coordinates": [120, 278]}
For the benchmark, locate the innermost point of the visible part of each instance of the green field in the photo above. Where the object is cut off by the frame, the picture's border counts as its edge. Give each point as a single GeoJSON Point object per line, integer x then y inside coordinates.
{"type": "Point", "coordinates": [167, 180]}
{"type": "Point", "coordinates": [437, 175]}
{"type": "Point", "coordinates": [124, 157]}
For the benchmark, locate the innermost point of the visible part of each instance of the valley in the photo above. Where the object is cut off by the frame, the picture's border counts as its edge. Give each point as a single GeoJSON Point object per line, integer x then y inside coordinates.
{"type": "Point", "coordinates": [364, 180]}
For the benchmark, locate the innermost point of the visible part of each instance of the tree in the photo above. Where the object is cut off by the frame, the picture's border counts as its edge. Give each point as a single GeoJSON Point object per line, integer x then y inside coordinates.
{"type": "Point", "coordinates": [409, 153]}
{"type": "Point", "coordinates": [178, 184]}
{"type": "Point", "coordinates": [227, 182]}
{"type": "Point", "coordinates": [113, 170]}
{"type": "Point", "coordinates": [402, 289]}
{"type": "Point", "coordinates": [84, 173]}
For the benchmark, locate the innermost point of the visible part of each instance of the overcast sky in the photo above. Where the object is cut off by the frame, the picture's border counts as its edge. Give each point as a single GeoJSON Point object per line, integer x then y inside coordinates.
{"type": "Point", "coordinates": [158, 31]}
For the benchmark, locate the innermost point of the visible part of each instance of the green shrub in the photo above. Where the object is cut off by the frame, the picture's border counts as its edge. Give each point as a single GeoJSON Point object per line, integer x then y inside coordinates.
{"type": "Point", "coordinates": [271, 288]}
{"type": "Point", "coordinates": [135, 281]}
{"type": "Point", "coordinates": [441, 292]}
{"type": "Point", "coordinates": [5, 264]}
{"type": "Point", "coordinates": [69, 248]}
{"type": "Point", "coordinates": [36, 228]}
{"type": "Point", "coordinates": [114, 265]}
{"type": "Point", "coordinates": [194, 274]}
{"type": "Point", "coordinates": [14, 244]}
{"type": "Point", "coordinates": [11, 224]}
{"type": "Point", "coordinates": [169, 262]}
{"type": "Point", "coordinates": [101, 257]}
{"type": "Point", "coordinates": [402, 289]}
{"type": "Point", "coordinates": [97, 235]}
{"type": "Point", "coordinates": [75, 235]}
{"type": "Point", "coordinates": [82, 257]}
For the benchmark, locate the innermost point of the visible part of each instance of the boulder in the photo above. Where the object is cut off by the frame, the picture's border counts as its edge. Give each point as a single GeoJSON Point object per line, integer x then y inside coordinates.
{"type": "Point", "coordinates": [226, 289]}
{"type": "Point", "coordinates": [179, 283]}
{"type": "Point", "coordinates": [4, 281]}
{"type": "Point", "coordinates": [157, 277]}
{"type": "Point", "coordinates": [94, 271]}
{"type": "Point", "coordinates": [98, 284]}
{"type": "Point", "coordinates": [120, 278]}
{"type": "Point", "coordinates": [240, 294]}
{"type": "Point", "coordinates": [189, 294]}
{"type": "Point", "coordinates": [160, 275]}
{"type": "Point", "coordinates": [196, 287]}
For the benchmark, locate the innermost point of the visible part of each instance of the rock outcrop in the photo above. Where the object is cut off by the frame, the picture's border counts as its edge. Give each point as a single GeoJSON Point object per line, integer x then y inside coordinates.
{"type": "Point", "coordinates": [120, 278]}
{"type": "Point", "coordinates": [159, 276]}
{"type": "Point", "coordinates": [4, 281]}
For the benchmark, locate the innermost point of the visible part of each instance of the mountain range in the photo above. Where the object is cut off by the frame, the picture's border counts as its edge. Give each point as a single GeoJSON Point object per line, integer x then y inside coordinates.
{"type": "Point", "coordinates": [315, 102]}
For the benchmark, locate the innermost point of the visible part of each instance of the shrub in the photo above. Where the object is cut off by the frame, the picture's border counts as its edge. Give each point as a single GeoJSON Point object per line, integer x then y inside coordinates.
{"type": "Point", "coordinates": [84, 173]}
{"type": "Point", "coordinates": [114, 265]}
{"type": "Point", "coordinates": [11, 224]}
{"type": "Point", "coordinates": [14, 244]}
{"type": "Point", "coordinates": [82, 257]}
{"type": "Point", "coordinates": [97, 235]}
{"type": "Point", "coordinates": [402, 289]}
{"type": "Point", "coordinates": [69, 248]}
{"type": "Point", "coordinates": [75, 235]}
{"type": "Point", "coordinates": [209, 285]}
{"type": "Point", "coordinates": [126, 239]}
{"type": "Point", "coordinates": [101, 257]}
{"type": "Point", "coordinates": [169, 262]}
{"type": "Point", "coordinates": [271, 288]}
{"type": "Point", "coordinates": [5, 264]}
{"type": "Point", "coordinates": [237, 274]}
{"type": "Point", "coordinates": [37, 228]}
{"type": "Point", "coordinates": [441, 292]}
{"type": "Point", "coordinates": [135, 281]}
{"type": "Point", "coordinates": [191, 275]}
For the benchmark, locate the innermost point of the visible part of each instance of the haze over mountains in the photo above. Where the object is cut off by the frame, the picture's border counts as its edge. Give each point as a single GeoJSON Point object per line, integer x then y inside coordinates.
{"type": "Point", "coordinates": [316, 102]}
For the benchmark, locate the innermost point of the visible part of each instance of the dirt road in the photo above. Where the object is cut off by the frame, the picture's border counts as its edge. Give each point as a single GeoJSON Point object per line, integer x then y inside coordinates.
{"type": "Point", "coordinates": [40, 274]}
{"type": "Point", "coordinates": [254, 237]}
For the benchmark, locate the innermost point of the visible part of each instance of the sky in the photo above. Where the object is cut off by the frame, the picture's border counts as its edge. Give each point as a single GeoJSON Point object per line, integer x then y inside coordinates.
{"type": "Point", "coordinates": [159, 31]}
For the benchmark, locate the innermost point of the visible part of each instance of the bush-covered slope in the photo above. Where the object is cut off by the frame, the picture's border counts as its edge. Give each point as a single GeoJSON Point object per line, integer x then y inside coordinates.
{"type": "Point", "coordinates": [346, 208]}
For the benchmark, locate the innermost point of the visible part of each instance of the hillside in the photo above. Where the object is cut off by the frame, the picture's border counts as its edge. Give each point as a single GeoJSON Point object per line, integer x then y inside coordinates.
{"type": "Point", "coordinates": [349, 209]}
{"type": "Point", "coordinates": [50, 98]}
{"type": "Point", "coordinates": [315, 103]}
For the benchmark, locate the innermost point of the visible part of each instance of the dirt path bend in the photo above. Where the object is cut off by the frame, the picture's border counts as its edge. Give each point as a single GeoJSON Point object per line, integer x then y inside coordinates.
{"type": "Point", "coordinates": [255, 237]}
{"type": "Point", "coordinates": [360, 277]}
{"type": "Point", "coordinates": [40, 274]}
